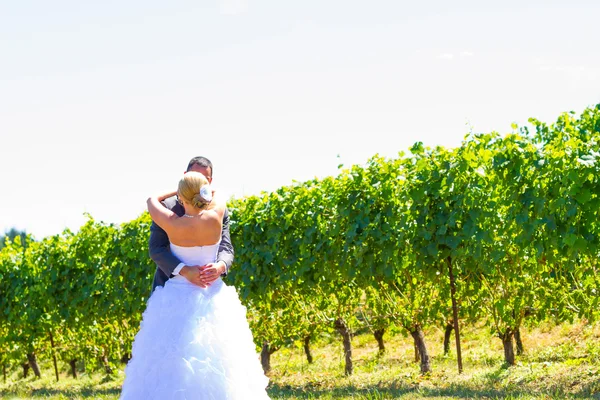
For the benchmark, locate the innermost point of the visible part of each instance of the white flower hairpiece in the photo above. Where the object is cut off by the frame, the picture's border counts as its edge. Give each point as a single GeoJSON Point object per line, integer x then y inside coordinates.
{"type": "Point", "coordinates": [206, 193]}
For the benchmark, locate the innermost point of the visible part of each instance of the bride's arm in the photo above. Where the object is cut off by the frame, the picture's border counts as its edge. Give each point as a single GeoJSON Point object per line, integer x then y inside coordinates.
{"type": "Point", "coordinates": [159, 213]}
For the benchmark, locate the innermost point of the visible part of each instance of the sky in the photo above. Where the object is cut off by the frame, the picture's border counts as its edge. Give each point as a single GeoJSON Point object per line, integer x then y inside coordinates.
{"type": "Point", "coordinates": [102, 104]}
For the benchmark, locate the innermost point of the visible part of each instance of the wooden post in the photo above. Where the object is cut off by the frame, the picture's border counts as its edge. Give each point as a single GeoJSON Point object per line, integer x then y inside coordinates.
{"type": "Point", "coordinates": [455, 314]}
{"type": "Point", "coordinates": [54, 357]}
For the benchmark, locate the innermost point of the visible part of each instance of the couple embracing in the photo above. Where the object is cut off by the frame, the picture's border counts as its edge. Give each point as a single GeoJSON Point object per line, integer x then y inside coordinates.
{"type": "Point", "coordinates": [194, 340]}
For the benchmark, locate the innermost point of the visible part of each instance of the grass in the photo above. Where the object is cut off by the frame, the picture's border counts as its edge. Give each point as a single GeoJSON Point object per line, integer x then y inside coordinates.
{"type": "Point", "coordinates": [561, 362]}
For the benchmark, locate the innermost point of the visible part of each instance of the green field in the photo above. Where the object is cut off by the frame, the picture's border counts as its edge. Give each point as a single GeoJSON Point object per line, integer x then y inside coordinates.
{"type": "Point", "coordinates": [560, 362]}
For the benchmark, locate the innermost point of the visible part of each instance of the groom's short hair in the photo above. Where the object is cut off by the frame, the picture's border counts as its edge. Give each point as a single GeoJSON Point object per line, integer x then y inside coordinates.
{"type": "Point", "coordinates": [201, 162]}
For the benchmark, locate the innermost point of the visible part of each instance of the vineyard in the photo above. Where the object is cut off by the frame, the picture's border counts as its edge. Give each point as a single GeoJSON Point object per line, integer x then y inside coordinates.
{"type": "Point", "coordinates": [503, 231]}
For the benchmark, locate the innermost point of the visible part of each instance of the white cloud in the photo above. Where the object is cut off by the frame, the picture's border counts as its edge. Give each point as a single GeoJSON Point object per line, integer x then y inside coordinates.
{"type": "Point", "coordinates": [446, 56]}
{"type": "Point", "coordinates": [233, 7]}
{"type": "Point", "coordinates": [466, 54]}
{"type": "Point", "coordinates": [563, 68]}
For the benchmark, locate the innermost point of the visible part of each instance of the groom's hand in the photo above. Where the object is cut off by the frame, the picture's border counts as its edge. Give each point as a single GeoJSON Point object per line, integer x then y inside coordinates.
{"type": "Point", "coordinates": [211, 272]}
{"type": "Point", "coordinates": [193, 274]}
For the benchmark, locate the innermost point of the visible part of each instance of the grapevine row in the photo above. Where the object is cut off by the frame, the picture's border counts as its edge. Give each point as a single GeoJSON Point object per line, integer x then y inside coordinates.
{"type": "Point", "coordinates": [503, 229]}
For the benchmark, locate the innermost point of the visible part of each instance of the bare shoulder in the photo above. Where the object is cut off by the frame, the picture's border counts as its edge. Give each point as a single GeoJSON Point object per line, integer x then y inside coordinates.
{"type": "Point", "coordinates": [195, 231]}
{"type": "Point", "coordinates": [218, 204]}
{"type": "Point", "coordinates": [178, 223]}
{"type": "Point", "coordinates": [212, 216]}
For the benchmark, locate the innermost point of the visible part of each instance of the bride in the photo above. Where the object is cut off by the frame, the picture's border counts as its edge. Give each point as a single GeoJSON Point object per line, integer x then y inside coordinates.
{"type": "Point", "coordinates": [193, 342]}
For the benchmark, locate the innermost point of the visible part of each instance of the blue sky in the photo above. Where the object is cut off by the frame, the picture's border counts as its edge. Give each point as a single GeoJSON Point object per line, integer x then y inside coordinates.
{"type": "Point", "coordinates": [102, 104]}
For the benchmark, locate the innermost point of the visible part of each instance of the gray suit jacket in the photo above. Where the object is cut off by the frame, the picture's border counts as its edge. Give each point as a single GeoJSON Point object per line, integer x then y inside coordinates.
{"type": "Point", "coordinates": [165, 260]}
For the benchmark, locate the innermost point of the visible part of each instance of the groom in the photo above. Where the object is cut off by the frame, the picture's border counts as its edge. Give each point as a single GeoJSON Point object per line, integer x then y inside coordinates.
{"type": "Point", "coordinates": [168, 265]}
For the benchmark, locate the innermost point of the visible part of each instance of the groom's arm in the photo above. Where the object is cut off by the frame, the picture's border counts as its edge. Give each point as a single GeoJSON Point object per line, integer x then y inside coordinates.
{"type": "Point", "coordinates": [160, 251]}
{"type": "Point", "coordinates": [225, 253]}
{"type": "Point", "coordinates": [159, 245]}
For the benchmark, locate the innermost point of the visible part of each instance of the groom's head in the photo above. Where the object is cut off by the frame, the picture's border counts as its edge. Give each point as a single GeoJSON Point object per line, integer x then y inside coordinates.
{"type": "Point", "coordinates": [202, 165]}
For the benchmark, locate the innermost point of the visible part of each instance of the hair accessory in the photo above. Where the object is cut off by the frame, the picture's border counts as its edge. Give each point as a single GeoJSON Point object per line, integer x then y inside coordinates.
{"type": "Point", "coordinates": [206, 193]}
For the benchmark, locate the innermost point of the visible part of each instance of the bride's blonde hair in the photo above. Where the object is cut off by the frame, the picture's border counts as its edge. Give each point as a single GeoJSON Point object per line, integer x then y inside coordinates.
{"type": "Point", "coordinates": [189, 189]}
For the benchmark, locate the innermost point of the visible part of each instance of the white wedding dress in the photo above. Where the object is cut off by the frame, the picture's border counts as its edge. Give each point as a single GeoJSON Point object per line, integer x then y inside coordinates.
{"type": "Point", "coordinates": [194, 343]}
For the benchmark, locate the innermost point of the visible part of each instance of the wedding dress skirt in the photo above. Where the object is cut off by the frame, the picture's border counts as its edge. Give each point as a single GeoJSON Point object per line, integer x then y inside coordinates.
{"type": "Point", "coordinates": [194, 343]}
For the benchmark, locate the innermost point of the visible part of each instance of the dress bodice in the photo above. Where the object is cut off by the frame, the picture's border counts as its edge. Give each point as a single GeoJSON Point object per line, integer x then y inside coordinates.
{"type": "Point", "coordinates": [197, 255]}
